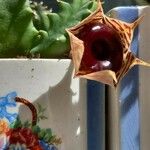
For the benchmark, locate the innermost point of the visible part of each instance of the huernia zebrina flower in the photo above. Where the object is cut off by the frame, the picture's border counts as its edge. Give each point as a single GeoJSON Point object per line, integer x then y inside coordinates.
{"type": "Point", "coordinates": [100, 47]}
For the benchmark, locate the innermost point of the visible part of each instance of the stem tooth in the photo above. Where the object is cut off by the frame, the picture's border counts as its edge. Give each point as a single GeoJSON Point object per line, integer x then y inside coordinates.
{"type": "Point", "coordinates": [41, 2]}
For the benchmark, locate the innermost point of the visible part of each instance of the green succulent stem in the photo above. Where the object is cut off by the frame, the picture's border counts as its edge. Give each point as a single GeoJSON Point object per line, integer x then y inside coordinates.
{"type": "Point", "coordinates": [30, 29]}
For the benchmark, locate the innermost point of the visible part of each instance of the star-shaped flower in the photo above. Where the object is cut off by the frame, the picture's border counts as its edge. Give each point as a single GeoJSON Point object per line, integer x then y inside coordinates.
{"type": "Point", "coordinates": [100, 47]}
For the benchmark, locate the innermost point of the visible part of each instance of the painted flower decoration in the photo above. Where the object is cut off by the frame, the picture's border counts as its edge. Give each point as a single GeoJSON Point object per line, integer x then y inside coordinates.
{"type": "Point", "coordinates": [18, 147]}
{"type": "Point", "coordinates": [23, 137]}
{"type": "Point", "coordinates": [100, 48]}
{"type": "Point", "coordinates": [3, 126]}
{"type": "Point", "coordinates": [6, 102]}
{"type": "Point", "coordinates": [18, 135]}
{"type": "Point", "coordinates": [46, 146]}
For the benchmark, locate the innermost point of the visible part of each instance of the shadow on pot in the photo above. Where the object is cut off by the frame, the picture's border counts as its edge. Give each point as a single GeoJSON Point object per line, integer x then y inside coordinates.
{"type": "Point", "coordinates": [63, 109]}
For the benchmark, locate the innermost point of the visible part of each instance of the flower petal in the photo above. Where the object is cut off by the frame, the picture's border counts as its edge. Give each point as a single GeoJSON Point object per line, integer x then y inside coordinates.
{"type": "Point", "coordinates": [115, 28]}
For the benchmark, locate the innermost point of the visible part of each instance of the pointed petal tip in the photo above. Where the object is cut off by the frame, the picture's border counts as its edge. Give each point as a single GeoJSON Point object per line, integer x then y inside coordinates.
{"type": "Point", "coordinates": [141, 62]}
{"type": "Point", "coordinates": [106, 77]}
{"type": "Point", "coordinates": [137, 22]}
{"type": "Point", "coordinates": [99, 3]}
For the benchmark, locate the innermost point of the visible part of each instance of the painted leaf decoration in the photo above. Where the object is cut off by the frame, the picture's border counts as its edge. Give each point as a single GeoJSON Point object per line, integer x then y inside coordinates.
{"type": "Point", "coordinates": [100, 47]}
{"type": "Point", "coordinates": [16, 28]}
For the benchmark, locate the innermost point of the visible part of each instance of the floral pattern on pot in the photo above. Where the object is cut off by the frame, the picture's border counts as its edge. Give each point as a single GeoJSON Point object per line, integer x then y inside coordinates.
{"type": "Point", "coordinates": [6, 102]}
{"type": "Point", "coordinates": [18, 135]}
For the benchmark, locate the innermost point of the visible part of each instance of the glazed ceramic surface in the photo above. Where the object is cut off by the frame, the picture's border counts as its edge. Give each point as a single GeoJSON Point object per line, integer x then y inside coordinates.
{"type": "Point", "coordinates": [72, 114]}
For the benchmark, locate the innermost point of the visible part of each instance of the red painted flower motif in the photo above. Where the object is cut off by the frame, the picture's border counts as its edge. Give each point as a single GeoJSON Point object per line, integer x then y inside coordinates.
{"type": "Point", "coordinates": [24, 136]}
{"type": "Point", "coordinates": [100, 48]}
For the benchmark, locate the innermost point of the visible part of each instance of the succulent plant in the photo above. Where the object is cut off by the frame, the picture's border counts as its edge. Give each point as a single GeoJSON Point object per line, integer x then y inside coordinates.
{"type": "Point", "coordinates": [54, 41]}
{"type": "Point", "coordinates": [29, 29]}
{"type": "Point", "coordinates": [17, 33]}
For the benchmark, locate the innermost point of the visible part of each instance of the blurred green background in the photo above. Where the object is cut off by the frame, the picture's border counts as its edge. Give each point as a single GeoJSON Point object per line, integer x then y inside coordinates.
{"type": "Point", "coordinates": [108, 4]}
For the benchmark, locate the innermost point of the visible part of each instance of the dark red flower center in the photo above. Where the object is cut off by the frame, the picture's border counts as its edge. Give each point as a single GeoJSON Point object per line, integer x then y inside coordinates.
{"type": "Point", "coordinates": [103, 48]}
